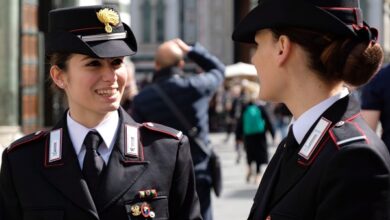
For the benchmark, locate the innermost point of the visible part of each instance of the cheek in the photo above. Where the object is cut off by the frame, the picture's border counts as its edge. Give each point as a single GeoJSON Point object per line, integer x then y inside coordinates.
{"type": "Point", "coordinates": [122, 78]}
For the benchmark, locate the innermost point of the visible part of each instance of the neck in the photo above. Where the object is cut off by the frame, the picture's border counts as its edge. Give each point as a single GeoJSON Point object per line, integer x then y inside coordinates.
{"type": "Point", "coordinates": [87, 119]}
{"type": "Point", "coordinates": [307, 91]}
{"type": "Point", "coordinates": [166, 72]}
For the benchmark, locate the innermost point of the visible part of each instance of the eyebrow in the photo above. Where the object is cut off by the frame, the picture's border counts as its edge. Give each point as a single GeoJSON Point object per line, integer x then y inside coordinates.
{"type": "Point", "coordinates": [88, 57]}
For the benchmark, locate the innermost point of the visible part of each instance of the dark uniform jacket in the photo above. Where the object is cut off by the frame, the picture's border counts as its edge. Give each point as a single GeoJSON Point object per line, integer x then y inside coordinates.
{"type": "Point", "coordinates": [345, 176]}
{"type": "Point", "coordinates": [190, 93]}
{"type": "Point", "coordinates": [161, 176]}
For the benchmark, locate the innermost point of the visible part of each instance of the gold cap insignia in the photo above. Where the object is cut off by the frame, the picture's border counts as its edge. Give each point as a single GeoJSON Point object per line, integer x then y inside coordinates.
{"type": "Point", "coordinates": [108, 17]}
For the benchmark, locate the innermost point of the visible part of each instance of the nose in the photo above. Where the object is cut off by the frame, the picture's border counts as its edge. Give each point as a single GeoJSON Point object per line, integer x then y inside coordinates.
{"type": "Point", "coordinates": [253, 59]}
{"type": "Point", "coordinates": [109, 74]}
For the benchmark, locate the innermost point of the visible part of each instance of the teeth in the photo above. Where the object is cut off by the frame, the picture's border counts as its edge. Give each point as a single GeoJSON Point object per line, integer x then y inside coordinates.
{"type": "Point", "coordinates": [106, 92]}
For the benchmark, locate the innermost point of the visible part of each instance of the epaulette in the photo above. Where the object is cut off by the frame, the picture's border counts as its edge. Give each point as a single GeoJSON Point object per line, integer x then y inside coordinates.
{"type": "Point", "coordinates": [163, 129]}
{"type": "Point", "coordinates": [346, 132]}
{"type": "Point", "coordinates": [30, 138]}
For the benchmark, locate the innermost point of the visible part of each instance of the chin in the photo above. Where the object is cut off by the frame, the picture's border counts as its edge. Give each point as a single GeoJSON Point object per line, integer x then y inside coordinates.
{"type": "Point", "coordinates": [267, 98]}
{"type": "Point", "coordinates": [111, 108]}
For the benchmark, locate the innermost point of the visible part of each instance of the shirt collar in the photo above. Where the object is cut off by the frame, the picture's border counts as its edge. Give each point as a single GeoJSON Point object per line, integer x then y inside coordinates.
{"type": "Point", "coordinates": [106, 129]}
{"type": "Point", "coordinates": [302, 124]}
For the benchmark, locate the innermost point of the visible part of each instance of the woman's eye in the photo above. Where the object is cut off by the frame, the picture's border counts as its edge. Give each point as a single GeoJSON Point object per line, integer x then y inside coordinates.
{"type": "Point", "coordinates": [94, 63]}
{"type": "Point", "coordinates": [117, 62]}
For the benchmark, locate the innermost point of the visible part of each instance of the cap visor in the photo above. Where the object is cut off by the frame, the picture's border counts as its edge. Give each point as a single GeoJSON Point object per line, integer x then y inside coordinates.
{"type": "Point", "coordinates": [111, 48]}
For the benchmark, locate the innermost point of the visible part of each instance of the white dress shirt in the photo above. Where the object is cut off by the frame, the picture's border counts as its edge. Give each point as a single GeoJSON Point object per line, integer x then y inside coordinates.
{"type": "Point", "coordinates": [107, 130]}
{"type": "Point", "coordinates": [302, 124]}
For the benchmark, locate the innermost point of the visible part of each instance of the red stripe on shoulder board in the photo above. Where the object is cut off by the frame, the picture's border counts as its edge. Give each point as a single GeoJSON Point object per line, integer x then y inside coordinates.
{"type": "Point", "coordinates": [26, 139]}
{"type": "Point", "coordinates": [162, 129]}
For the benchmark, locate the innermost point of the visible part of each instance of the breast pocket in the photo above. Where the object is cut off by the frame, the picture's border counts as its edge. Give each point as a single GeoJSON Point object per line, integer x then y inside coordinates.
{"type": "Point", "coordinates": [155, 208]}
{"type": "Point", "coordinates": [43, 214]}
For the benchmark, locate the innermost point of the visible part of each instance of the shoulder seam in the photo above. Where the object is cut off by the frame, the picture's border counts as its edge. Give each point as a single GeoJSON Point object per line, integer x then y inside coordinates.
{"type": "Point", "coordinates": [29, 138]}
{"type": "Point", "coordinates": [151, 126]}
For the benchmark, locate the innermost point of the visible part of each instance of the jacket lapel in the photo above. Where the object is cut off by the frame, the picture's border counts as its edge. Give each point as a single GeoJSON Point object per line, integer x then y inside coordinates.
{"type": "Point", "coordinates": [261, 199]}
{"type": "Point", "coordinates": [122, 171]}
{"type": "Point", "coordinates": [293, 170]}
{"type": "Point", "coordinates": [65, 173]}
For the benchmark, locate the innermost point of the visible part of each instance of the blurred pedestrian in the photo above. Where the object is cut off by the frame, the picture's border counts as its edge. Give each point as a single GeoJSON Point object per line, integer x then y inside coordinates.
{"type": "Point", "coordinates": [131, 88]}
{"type": "Point", "coordinates": [96, 163]}
{"type": "Point", "coordinates": [282, 118]}
{"type": "Point", "coordinates": [376, 103]}
{"type": "Point", "coordinates": [331, 165]}
{"type": "Point", "coordinates": [233, 109]}
{"type": "Point", "coordinates": [252, 127]}
{"type": "Point", "coordinates": [184, 104]}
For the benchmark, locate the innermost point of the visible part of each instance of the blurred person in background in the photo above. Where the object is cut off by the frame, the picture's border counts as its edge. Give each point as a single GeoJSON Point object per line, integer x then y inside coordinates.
{"type": "Point", "coordinates": [375, 99]}
{"type": "Point", "coordinates": [131, 88]}
{"type": "Point", "coordinates": [252, 126]}
{"type": "Point", "coordinates": [189, 95]}
{"type": "Point", "coordinates": [331, 165]}
{"type": "Point", "coordinates": [282, 118]}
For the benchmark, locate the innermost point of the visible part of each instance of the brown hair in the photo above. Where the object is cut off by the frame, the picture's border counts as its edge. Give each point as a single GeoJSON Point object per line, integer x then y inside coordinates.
{"type": "Point", "coordinates": [60, 60]}
{"type": "Point", "coordinates": [337, 58]}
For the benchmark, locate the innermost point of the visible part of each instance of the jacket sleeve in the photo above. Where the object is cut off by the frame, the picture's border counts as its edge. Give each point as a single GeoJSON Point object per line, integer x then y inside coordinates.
{"type": "Point", "coordinates": [184, 201]}
{"type": "Point", "coordinates": [214, 69]}
{"type": "Point", "coordinates": [355, 186]}
{"type": "Point", "coordinates": [9, 204]}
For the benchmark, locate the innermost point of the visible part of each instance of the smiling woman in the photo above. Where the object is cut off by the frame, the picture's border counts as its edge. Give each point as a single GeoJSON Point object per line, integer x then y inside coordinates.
{"type": "Point", "coordinates": [93, 164]}
{"type": "Point", "coordinates": [93, 86]}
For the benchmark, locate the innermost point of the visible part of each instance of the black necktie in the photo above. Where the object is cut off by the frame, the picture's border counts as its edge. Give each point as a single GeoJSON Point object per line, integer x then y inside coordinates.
{"type": "Point", "coordinates": [93, 163]}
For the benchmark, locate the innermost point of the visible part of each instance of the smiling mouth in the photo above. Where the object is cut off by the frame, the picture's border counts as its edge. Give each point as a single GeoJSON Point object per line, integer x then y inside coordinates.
{"type": "Point", "coordinates": [106, 92]}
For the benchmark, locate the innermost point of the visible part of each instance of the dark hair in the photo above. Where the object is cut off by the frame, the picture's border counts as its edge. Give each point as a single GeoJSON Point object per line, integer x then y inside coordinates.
{"type": "Point", "coordinates": [60, 60]}
{"type": "Point", "coordinates": [337, 58]}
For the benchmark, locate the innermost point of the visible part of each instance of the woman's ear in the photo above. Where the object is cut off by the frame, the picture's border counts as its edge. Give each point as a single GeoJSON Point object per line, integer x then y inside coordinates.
{"type": "Point", "coordinates": [284, 45]}
{"type": "Point", "coordinates": [57, 76]}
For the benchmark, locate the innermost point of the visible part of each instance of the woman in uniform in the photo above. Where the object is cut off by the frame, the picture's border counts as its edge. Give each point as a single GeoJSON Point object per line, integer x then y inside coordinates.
{"type": "Point", "coordinates": [96, 163]}
{"type": "Point", "coordinates": [331, 165]}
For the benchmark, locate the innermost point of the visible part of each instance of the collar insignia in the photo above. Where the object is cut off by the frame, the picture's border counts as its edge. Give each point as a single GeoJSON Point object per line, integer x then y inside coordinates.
{"type": "Point", "coordinates": [108, 17]}
{"type": "Point", "coordinates": [131, 144]}
{"type": "Point", "coordinates": [55, 147]}
{"type": "Point", "coordinates": [315, 137]}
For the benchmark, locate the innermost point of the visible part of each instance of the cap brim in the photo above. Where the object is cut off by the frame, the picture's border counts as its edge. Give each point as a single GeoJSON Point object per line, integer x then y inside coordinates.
{"type": "Point", "coordinates": [111, 48]}
{"type": "Point", "coordinates": [277, 13]}
{"type": "Point", "coordinates": [115, 48]}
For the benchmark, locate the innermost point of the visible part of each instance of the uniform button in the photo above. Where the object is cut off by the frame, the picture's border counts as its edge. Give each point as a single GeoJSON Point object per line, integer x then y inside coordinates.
{"type": "Point", "coordinates": [339, 124]}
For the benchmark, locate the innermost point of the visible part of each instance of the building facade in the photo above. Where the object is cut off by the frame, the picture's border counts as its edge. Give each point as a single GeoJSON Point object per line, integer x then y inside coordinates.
{"type": "Point", "coordinates": [204, 21]}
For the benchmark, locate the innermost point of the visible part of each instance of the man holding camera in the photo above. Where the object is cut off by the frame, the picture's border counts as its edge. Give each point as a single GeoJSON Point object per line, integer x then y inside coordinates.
{"type": "Point", "coordinates": [182, 102]}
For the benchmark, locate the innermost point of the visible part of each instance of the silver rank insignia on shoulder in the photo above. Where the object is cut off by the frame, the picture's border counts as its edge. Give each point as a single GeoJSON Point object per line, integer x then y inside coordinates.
{"type": "Point", "coordinates": [55, 147]}
{"type": "Point", "coordinates": [132, 148]}
{"type": "Point", "coordinates": [314, 138]}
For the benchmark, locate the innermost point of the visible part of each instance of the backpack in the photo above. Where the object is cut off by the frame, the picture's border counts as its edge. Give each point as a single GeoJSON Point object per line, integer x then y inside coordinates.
{"type": "Point", "coordinates": [253, 122]}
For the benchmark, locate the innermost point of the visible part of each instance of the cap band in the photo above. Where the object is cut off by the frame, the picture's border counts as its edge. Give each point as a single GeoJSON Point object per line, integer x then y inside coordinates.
{"type": "Point", "coordinates": [347, 15]}
{"type": "Point", "coordinates": [101, 37]}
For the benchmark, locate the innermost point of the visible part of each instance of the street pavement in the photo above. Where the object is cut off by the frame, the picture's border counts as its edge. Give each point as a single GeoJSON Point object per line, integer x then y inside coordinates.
{"type": "Point", "coordinates": [237, 195]}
